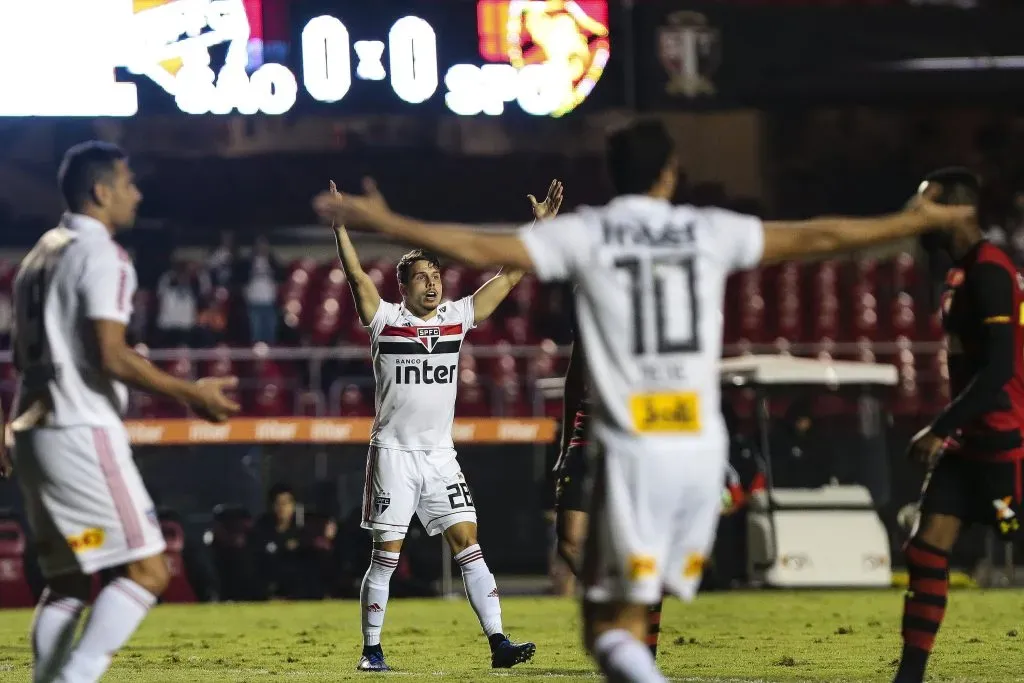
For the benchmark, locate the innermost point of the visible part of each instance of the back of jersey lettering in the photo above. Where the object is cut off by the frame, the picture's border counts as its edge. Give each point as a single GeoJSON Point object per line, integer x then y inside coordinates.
{"type": "Point", "coordinates": [659, 268]}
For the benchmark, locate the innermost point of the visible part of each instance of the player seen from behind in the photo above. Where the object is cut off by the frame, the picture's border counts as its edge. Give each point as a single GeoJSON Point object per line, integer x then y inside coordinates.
{"type": "Point", "coordinates": [412, 467]}
{"type": "Point", "coordinates": [85, 501]}
{"type": "Point", "coordinates": [974, 449]}
{"type": "Point", "coordinates": [650, 283]}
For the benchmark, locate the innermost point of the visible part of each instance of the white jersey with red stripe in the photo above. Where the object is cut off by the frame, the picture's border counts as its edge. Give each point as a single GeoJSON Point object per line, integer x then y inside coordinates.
{"type": "Point", "coordinates": [75, 274]}
{"type": "Point", "coordinates": [416, 366]}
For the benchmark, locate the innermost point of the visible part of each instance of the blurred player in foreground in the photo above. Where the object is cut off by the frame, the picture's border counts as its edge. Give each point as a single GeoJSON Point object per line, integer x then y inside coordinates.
{"type": "Point", "coordinates": [412, 467]}
{"type": "Point", "coordinates": [974, 448]}
{"type": "Point", "coordinates": [85, 501]}
{"type": "Point", "coordinates": [650, 280]}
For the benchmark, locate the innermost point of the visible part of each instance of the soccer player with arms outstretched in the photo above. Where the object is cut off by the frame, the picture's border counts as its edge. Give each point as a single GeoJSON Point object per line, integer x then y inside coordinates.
{"type": "Point", "coordinates": [411, 467]}
{"type": "Point", "coordinates": [84, 499]}
{"type": "Point", "coordinates": [650, 279]}
{"type": "Point", "coordinates": [974, 447]}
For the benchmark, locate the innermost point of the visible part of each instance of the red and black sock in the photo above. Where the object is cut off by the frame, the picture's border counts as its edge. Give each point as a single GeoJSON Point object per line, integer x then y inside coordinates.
{"type": "Point", "coordinates": [654, 627]}
{"type": "Point", "coordinates": [923, 607]}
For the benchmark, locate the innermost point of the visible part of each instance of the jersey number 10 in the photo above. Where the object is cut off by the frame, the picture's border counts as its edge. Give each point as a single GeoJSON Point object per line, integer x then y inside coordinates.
{"type": "Point", "coordinates": [671, 282]}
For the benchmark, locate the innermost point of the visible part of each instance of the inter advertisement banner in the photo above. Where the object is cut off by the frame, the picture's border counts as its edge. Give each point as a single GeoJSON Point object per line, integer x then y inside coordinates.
{"type": "Point", "coordinates": [172, 432]}
{"type": "Point", "coordinates": [722, 55]}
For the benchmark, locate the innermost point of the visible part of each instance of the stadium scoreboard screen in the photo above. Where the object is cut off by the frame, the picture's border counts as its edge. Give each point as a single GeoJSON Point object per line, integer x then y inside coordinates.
{"type": "Point", "coordinates": [66, 58]}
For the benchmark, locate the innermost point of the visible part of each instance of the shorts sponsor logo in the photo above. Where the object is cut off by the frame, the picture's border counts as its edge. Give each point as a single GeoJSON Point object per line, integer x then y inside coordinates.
{"type": "Point", "coordinates": [381, 502]}
{"type": "Point", "coordinates": [642, 567]}
{"type": "Point", "coordinates": [90, 539]}
{"type": "Point", "coordinates": [694, 566]}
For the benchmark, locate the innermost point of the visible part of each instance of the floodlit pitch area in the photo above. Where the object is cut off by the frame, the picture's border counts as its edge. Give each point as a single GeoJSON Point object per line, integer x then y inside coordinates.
{"type": "Point", "coordinates": [763, 636]}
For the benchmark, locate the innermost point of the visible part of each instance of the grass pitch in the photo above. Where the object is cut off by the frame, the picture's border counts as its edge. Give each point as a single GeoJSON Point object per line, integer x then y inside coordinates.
{"type": "Point", "coordinates": [732, 637]}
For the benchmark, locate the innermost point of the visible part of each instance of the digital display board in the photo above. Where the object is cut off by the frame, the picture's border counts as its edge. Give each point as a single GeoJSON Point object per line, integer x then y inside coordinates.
{"type": "Point", "coordinates": [121, 58]}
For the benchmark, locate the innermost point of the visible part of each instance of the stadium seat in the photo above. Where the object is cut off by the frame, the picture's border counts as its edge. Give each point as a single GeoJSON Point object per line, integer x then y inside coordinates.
{"type": "Point", "coordinates": [512, 398]}
{"type": "Point", "coordinates": [309, 403]}
{"type": "Point", "coordinates": [472, 401]}
{"type": "Point", "coordinates": [751, 327]}
{"type": "Point", "coordinates": [15, 590]}
{"type": "Point", "coordinates": [178, 589]}
{"type": "Point", "coordinates": [354, 403]}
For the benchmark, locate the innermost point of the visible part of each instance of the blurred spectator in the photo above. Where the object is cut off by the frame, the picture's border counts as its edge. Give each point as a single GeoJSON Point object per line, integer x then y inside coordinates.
{"type": "Point", "coordinates": [275, 542]}
{"type": "Point", "coordinates": [800, 457]}
{"type": "Point", "coordinates": [260, 276]}
{"type": "Point", "coordinates": [178, 295]}
{"type": "Point", "coordinates": [221, 262]}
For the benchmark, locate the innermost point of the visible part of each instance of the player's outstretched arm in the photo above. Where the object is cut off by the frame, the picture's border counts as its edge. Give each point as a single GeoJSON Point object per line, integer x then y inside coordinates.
{"type": "Point", "coordinates": [470, 245]}
{"type": "Point", "coordinates": [825, 236]}
{"type": "Point", "coordinates": [364, 292]}
{"type": "Point", "coordinates": [490, 295]}
{"type": "Point", "coordinates": [205, 397]}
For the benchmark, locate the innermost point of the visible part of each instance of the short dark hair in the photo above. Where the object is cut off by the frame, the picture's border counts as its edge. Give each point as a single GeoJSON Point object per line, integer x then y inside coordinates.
{"type": "Point", "coordinates": [959, 185]}
{"type": "Point", "coordinates": [407, 261]}
{"type": "Point", "coordinates": [83, 166]}
{"type": "Point", "coordinates": [278, 489]}
{"type": "Point", "coordinates": [637, 154]}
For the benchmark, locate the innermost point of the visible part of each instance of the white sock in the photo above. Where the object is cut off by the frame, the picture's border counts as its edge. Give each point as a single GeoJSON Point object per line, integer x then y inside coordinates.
{"type": "Point", "coordinates": [481, 589]}
{"type": "Point", "coordinates": [624, 659]}
{"type": "Point", "coordinates": [53, 633]}
{"type": "Point", "coordinates": [373, 595]}
{"type": "Point", "coordinates": [119, 609]}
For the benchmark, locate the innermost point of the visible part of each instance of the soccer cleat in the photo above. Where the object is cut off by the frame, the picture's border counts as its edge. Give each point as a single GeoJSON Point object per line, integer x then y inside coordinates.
{"type": "Point", "coordinates": [372, 660]}
{"type": "Point", "coordinates": [507, 654]}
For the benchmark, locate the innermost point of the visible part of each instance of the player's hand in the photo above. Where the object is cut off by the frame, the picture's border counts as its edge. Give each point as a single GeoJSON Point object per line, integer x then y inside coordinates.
{"type": "Point", "coordinates": [355, 211]}
{"type": "Point", "coordinates": [210, 403]}
{"type": "Point", "coordinates": [942, 216]}
{"type": "Point", "coordinates": [926, 447]}
{"type": "Point", "coordinates": [551, 204]}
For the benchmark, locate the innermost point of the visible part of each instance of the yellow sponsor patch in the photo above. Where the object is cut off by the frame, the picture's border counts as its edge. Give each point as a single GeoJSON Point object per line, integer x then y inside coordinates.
{"type": "Point", "coordinates": [665, 413]}
{"type": "Point", "coordinates": [694, 566]}
{"type": "Point", "coordinates": [642, 567]}
{"type": "Point", "coordinates": [997, 319]}
{"type": "Point", "coordinates": [90, 539]}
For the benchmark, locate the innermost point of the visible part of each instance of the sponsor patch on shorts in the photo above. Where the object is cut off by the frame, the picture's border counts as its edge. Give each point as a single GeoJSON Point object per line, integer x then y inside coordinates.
{"type": "Point", "coordinates": [90, 539]}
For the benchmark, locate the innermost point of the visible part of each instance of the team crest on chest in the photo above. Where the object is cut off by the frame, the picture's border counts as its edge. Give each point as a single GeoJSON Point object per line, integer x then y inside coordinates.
{"type": "Point", "coordinates": [428, 336]}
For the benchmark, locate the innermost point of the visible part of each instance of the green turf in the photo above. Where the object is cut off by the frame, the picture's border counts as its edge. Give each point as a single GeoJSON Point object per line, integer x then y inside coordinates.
{"type": "Point", "coordinates": [764, 636]}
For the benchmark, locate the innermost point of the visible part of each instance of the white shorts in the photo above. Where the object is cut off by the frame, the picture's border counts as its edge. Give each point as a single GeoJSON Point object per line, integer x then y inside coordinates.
{"type": "Point", "coordinates": [428, 483]}
{"type": "Point", "coordinates": [84, 499]}
{"type": "Point", "coordinates": [654, 513]}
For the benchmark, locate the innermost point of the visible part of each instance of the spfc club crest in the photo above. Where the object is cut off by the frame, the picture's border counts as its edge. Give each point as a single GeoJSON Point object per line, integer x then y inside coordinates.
{"type": "Point", "coordinates": [428, 336]}
{"type": "Point", "coordinates": [381, 502]}
{"type": "Point", "coordinates": [689, 51]}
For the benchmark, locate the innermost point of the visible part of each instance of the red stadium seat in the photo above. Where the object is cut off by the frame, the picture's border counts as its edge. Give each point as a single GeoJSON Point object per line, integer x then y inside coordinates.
{"type": "Point", "coordinates": [309, 403]}
{"type": "Point", "coordinates": [178, 589]}
{"type": "Point", "coordinates": [513, 399]}
{"type": "Point", "coordinates": [903, 320]}
{"type": "Point", "coordinates": [518, 330]}
{"type": "Point", "coordinates": [472, 401]}
{"type": "Point", "coordinates": [269, 400]}
{"type": "Point", "coordinates": [354, 403]}
{"type": "Point", "coordinates": [751, 326]}
{"type": "Point", "coordinates": [14, 587]}
{"type": "Point", "coordinates": [453, 282]}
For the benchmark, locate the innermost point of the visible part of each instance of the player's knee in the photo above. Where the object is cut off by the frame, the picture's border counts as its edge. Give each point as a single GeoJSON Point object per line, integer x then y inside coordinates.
{"type": "Point", "coordinates": [388, 541]}
{"type": "Point", "coordinates": [938, 531]}
{"type": "Point", "coordinates": [570, 550]}
{"type": "Point", "coordinates": [72, 585]}
{"type": "Point", "coordinates": [151, 573]}
{"type": "Point", "coordinates": [461, 536]}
